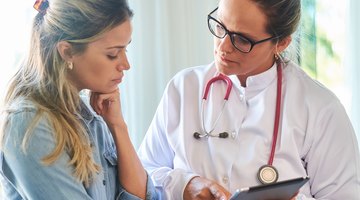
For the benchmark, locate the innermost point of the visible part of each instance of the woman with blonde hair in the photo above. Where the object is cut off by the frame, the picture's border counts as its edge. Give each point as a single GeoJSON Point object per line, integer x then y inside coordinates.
{"type": "Point", "coordinates": [55, 144]}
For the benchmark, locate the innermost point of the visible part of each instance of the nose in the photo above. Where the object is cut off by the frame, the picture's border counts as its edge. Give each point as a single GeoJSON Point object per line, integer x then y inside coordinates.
{"type": "Point", "coordinates": [123, 62]}
{"type": "Point", "coordinates": [225, 44]}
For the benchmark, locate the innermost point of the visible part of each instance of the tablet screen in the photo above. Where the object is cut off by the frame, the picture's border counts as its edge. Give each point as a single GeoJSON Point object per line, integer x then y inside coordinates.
{"type": "Point", "coordinates": [282, 190]}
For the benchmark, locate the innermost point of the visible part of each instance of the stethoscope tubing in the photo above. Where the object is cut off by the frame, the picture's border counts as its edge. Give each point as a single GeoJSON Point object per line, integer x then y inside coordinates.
{"type": "Point", "coordinates": [208, 133]}
{"type": "Point", "coordinates": [267, 173]}
{"type": "Point", "coordinates": [277, 113]}
{"type": "Point", "coordinates": [228, 83]}
{"type": "Point", "coordinates": [216, 78]}
{"type": "Point", "coordinates": [226, 97]}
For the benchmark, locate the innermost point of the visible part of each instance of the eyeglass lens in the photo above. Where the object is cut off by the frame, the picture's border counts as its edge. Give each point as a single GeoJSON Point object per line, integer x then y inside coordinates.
{"type": "Point", "coordinates": [218, 30]}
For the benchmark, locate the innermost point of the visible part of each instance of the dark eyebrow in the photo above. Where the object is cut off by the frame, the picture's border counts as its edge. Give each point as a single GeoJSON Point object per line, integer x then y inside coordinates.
{"type": "Point", "coordinates": [119, 46]}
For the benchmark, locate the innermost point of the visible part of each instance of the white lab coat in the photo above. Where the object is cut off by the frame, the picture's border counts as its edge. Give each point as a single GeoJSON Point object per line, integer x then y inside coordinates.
{"type": "Point", "coordinates": [316, 138]}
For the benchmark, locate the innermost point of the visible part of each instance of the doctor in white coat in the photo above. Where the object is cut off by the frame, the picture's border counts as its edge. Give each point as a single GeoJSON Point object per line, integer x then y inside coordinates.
{"type": "Point", "coordinates": [277, 123]}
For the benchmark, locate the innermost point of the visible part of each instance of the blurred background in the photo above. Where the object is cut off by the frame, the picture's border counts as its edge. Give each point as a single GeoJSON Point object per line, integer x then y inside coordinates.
{"type": "Point", "coordinates": [172, 35]}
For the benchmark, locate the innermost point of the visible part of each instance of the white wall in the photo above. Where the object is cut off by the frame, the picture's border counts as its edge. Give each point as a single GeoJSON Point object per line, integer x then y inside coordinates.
{"type": "Point", "coordinates": [168, 36]}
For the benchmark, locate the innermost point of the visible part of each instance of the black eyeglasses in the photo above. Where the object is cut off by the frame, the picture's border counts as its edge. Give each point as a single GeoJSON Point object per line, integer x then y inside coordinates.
{"type": "Point", "coordinates": [239, 41]}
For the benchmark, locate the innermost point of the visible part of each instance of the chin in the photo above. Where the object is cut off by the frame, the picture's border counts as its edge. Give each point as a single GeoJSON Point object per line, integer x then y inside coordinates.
{"type": "Point", "coordinates": [226, 70]}
{"type": "Point", "coordinates": [104, 90]}
{"type": "Point", "coordinates": [229, 69]}
{"type": "Point", "coordinates": [110, 90]}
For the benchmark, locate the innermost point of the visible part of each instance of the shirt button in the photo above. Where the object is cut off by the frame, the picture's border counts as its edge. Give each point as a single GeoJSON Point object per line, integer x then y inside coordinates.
{"type": "Point", "coordinates": [242, 97]}
{"type": "Point", "coordinates": [104, 182]}
{"type": "Point", "coordinates": [225, 179]}
{"type": "Point", "coordinates": [233, 134]}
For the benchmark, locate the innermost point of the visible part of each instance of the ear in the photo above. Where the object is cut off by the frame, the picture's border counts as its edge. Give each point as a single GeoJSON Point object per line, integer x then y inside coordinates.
{"type": "Point", "coordinates": [283, 44]}
{"type": "Point", "coordinates": [65, 50]}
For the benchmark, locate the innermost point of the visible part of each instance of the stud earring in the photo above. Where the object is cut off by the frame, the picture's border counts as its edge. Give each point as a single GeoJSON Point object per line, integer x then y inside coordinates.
{"type": "Point", "coordinates": [70, 65]}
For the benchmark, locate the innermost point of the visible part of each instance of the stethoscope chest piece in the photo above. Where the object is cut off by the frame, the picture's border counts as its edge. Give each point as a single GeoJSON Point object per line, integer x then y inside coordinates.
{"type": "Point", "coordinates": [268, 174]}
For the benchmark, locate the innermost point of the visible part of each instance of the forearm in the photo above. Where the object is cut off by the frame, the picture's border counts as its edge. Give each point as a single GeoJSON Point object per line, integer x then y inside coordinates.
{"type": "Point", "coordinates": [131, 173]}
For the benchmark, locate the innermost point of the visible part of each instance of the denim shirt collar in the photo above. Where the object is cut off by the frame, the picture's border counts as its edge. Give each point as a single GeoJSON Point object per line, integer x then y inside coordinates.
{"type": "Point", "coordinates": [85, 113]}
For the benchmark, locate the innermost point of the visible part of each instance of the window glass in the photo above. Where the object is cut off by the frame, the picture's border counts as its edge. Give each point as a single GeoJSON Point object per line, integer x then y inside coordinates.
{"type": "Point", "coordinates": [322, 44]}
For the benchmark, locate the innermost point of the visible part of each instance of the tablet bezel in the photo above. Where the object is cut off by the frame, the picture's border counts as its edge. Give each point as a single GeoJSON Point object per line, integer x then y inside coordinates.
{"type": "Point", "coordinates": [282, 190]}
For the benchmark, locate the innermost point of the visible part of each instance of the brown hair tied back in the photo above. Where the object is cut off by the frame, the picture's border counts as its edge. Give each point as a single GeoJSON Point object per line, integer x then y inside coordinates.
{"type": "Point", "coordinates": [283, 16]}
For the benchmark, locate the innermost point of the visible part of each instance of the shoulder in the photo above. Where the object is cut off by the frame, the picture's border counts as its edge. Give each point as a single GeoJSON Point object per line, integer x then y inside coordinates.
{"type": "Point", "coordinates": [20, 113]}
{"type": "Point", "coordinates": [21, 117]}
{"type": "Point", "coordinates": [192, 76]}
{"type": "Point", "coordinates": [20, 105]}
{"type": "Point", "coordinates": [310, 90]}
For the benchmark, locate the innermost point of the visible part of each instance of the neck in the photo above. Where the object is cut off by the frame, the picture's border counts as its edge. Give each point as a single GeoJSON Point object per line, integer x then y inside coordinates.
{"type": "Point", "coordinates": [72, 81]}
{"type": "Point", "coordinates": [242, 79]}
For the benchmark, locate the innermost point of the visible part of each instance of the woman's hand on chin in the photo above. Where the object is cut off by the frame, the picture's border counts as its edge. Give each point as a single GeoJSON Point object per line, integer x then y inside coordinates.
{"type": "Point", "coordinates": [108, 106]}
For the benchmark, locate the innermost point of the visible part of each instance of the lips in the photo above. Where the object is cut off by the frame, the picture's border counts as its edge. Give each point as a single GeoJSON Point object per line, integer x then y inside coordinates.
{"type": "Point", "coordinates": [225, 59]}
{"type": "Point", "coordinates": [118, 80]}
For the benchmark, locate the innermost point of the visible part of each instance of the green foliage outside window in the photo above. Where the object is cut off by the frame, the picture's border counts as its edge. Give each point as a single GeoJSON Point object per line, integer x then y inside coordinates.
{"type": "Point", "coordinates": [320, 31]}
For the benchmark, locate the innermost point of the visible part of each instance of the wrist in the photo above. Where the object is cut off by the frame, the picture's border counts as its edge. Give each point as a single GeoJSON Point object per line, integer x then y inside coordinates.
{"type": "Point", "coordinates": [118, 129]}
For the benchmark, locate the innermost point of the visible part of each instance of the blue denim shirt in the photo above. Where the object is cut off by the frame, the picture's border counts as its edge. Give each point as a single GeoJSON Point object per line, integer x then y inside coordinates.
{"type": "Point", "coordinates": [24, 176]}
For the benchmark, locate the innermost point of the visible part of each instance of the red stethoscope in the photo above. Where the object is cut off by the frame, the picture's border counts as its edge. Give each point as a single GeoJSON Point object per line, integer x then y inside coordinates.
{"type": "Point", "coordinates": [267, 173]}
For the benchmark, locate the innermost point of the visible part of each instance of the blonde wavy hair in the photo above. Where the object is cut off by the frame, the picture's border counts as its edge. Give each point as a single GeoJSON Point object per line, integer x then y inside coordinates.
{"type": "Point", "coordinates": [42, 78]}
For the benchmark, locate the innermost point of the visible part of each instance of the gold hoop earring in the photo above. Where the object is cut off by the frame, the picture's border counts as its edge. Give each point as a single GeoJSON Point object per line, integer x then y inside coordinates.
{"type": "Point", "coordinates": [277, 56]}
{"type": "Point", "coordinates": [70, 65]}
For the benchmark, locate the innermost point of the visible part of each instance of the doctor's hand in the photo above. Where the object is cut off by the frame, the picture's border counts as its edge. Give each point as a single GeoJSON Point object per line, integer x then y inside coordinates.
{"type": "Point", "coordinates": [200, 188]}
{"type": "Point", "coordinates": [108, 106]}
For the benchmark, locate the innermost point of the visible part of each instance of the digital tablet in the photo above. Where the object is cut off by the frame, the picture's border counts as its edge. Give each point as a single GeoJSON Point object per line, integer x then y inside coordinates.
{"type": "Point", "coordinates": [282, 190]}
